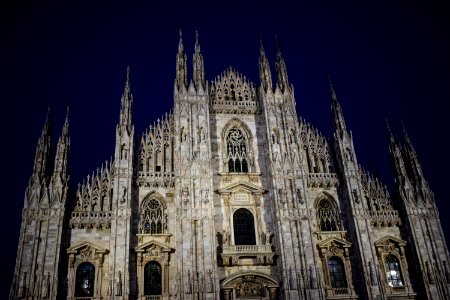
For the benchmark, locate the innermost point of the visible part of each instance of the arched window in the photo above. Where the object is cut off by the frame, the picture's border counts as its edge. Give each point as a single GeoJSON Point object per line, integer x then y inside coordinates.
{"type": "Point", "coordinates": [153, 219]}
{"type": "Point", "coordinates": [85, 280]}
{"type": "Point", "coordinates": [327, 217]}
{"type": "Point", "coordinates": [393, 272]}
{"type": "Point", "coordinates": [236, 151]}
{"type": "Point", "coordinates": [337, 272]}
{"type": "Point", "coordinates": [244, 227]}
{"type": "Point", "coordinates": [152, 279]}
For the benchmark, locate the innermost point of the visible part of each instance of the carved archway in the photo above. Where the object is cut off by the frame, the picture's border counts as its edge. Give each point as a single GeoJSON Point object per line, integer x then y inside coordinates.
{"type": "Point", "coordinates": [249, 284]}
{"type": "Point", "coordinates": [82, 254]}
{"type": "Point", "coordinates": [153, 252]}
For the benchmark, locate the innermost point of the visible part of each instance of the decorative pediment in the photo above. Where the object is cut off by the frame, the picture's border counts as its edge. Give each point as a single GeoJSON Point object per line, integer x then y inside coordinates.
{"type": "Point", "coordinates": [333, 242]}
{"type": "Point", "coordinates": [334, 246]}
{"type": "Point", "coordinates": [154, 248]}
{"type": "Point", "coordinates": [86, 250]}
{"type": "Point", "coordinates": [241, 186]}
{"type": "Point", "coordinates": [389, 244]}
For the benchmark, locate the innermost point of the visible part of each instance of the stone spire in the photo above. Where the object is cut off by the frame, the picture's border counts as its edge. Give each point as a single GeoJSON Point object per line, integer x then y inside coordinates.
{"type": "Point", "coordinates": [410, 153]}
{"type": "Point", "coordinates": [181, 76]}
{"type": "Point", "coordinates": [264, 68]}
{"type": "Point", "coordinates": [199, 69]}
{"type": "Point", "coordinates": [396, 157]}
{"type": "Point", "coordinates": [41, 161]}
{"type": "Point", "coordinates": [126, 105]}
{"type": "Point", "coordinates": [338, 116]}
{"type": "Point", "coordinates": [282, 76]}
{"type": "Point", "coordinates": [62, 150]}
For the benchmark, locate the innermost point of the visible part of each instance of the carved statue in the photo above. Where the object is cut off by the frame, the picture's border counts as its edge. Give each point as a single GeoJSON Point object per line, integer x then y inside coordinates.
{"type": "Point", "coordinates": [123, 152]}
{"type": "Point", "coordinates": [46, 286]}
{"type": "Point", "coordinates": [124, 195]}
{"type": "Point", "coordinates": [37, 286]}
{"type": "Point", "coordinates": [267, 237]}
{"type": "Point", "coordinates": [119, 285]}
{"type": "Point", "coordinates": [22, 285]}
{"type": "Point", "coordinates": [225, 237]}
{"type": "Point", "coordinates": [110, 285]}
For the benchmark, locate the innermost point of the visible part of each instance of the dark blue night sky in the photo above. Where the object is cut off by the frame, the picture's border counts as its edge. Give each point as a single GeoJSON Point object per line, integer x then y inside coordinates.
{"type": "Point", "coordinates": [386, 61]}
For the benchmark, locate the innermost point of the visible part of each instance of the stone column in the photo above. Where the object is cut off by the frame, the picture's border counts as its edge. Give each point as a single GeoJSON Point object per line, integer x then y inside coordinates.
{"type": "Point", "coordinates": [71, 279]}
{"type": "Point", "coordinates": [166, 274]}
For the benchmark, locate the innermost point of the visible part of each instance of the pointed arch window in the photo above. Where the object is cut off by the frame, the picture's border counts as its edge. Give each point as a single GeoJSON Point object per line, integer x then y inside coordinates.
{"type": "Point", "coordinates": [152, 279]}
{"type": "Point", "coordinates": [327, 215]}
{"type": "Point", "coordinates": [244, 227]}
{"type": "Point", "coordinates": [84, 286]}
{"type": "Point", "coordinates": [153, 218]}
{"type": "Point", "coordinates": [337, 272]}
{"type": "Point", "coordinates": [237, 151]}
{"type": "Point", "coordinates": [393, 272]}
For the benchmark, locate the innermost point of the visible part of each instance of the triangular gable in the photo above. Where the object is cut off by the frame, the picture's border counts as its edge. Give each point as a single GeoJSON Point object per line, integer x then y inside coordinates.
{"type": "Point", "coordinates": [149, 244]}
{"type": "Point", "coordinates": [334, 240]}
{"type": "Point", "coordinates": [389, 238]}
{"type": "Point", "coordinates": [241, 185]}
{"type": "Point", "coordinates": [76, 248]}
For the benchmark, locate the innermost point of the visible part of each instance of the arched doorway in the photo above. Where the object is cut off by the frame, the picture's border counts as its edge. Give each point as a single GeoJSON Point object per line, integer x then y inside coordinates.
{"type": "Point", "coordinates": [249, 285]}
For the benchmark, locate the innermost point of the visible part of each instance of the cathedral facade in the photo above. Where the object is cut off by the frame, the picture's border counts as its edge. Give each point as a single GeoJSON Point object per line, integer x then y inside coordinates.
{"type": "Point", "coordinates": [230, 196]}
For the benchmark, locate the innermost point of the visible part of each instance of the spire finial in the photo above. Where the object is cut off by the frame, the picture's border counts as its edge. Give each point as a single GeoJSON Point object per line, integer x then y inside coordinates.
{"type": "Point", "coordinates": [180, 43]}
{"type": "Point", "coordinates": [66, 122]}
{"type": "Point", "coordinates": [333, 93]}
{"type": "Point", "coordinates": [196, 37]}
{"type": "Point", "coordinates": [277, 44]}
{"type": "Point", "coordinates": [387, 126]}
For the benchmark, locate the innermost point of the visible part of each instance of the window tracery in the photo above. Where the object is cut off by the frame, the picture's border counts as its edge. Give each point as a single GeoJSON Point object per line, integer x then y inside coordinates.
{"type": "Point", "coordinates": [153, 218]}
{"type": "Point", "coordinates": [327, 215]}
{"type": "Point", "coordinates": [236, 151]}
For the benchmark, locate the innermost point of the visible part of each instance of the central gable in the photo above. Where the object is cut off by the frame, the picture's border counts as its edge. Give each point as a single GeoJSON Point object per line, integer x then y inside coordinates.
{"type": "Point", "coordinates": [231, 92]}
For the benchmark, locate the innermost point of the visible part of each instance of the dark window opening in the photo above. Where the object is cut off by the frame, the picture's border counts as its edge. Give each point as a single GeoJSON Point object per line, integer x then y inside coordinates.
{"type": "Point", "coordinates": [337, 272]}
{"type": "Point", "coordinates": [84, 286]}
{"type": "Point", "coordinates": [244, 227]}
{"type": "Point", "coordinates": [152, 278]}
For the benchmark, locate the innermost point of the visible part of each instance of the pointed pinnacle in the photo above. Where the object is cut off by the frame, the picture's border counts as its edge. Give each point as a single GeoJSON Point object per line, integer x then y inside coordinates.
{"type": "Point", "coordinates": [388, 127]}
{"type": "Point", "coordinates": [332, 91]}
{"type": "Point", "coordinates": [277, 45]}
{"type": "Point", "coordinates": [180, 43]}
{"type": "Point", "coordinates": [261, 46]}
{"type": "Point", "coordinates": [66, 123]}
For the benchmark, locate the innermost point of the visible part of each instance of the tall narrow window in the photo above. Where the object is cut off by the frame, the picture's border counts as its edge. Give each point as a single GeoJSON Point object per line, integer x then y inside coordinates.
{"type": "Point", "coordinates": [337, 272]}
{"type": "Point", "coordinates": [85, 280]}
{"type": "Point", "coordinates": [244, 227]}
{"type": "Point", "coordinates": [152, 279]}
{"type": "Point", "coordinates": [236, 151]}
{"type": "Point", "coordinates": [152, 217]}
{"type": "Point", "coordinates": [393, 272]}
{"type": "Point", "coordinates": [327, 217]}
